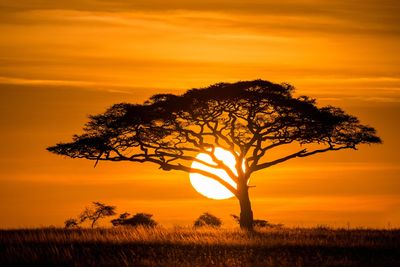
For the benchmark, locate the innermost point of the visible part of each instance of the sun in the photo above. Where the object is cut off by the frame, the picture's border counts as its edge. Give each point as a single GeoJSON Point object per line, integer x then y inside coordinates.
{"type": "Point", "coordinates": [207, 186]}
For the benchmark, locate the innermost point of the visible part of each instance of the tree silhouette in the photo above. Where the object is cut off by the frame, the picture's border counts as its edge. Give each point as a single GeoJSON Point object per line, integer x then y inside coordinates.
{"type": "Point", "coordinates": [98, 211]}
{"type": "Point", "coordinates": [248, 118]}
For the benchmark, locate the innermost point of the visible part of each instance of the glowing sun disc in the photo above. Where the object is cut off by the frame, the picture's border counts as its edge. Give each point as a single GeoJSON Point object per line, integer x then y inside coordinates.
{"type": "Point", "coordinates": [207, 186]}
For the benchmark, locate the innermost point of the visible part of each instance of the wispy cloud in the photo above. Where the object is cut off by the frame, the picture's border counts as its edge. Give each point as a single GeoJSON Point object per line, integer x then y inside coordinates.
{"type": "Point", "coordinates": [22, 81]}
{"type": "Point", "coordinates": [334, 18]}
{"type": "Point", "coordinates": [81, 84]}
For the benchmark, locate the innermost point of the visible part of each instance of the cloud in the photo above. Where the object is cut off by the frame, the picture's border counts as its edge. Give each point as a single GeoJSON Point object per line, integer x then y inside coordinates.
{"type": "Point", "coordinates": [329, 48]}
{"type": "Point", "coordinates": [114, 88]}
{"type": "Point", "coordinates": [22, 81]}
{"type": "Point", "coordinates": [253, 6]}
{"type": "Point", "coordinates": [337, 17]}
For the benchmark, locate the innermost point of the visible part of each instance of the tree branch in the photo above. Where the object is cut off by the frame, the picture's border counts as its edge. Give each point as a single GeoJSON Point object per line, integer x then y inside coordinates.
{"type": "Point", "coordinates": [300, 154]}
{"type": "Point", "coordinates": [205, 173]}
{"type": "Point", "coordinates": [331, 148]}
{"type": "Point", "coordinates": [167, 166]}
{"type": "Point", "coordinates": [271, 163]}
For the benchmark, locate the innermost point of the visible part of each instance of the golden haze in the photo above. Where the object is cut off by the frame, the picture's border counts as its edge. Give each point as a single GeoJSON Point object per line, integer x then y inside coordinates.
{"type": "Point", "coordinates": [63, 60]}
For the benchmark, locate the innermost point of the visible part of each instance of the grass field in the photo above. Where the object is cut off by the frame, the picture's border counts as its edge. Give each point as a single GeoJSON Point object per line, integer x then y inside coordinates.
{"type": "Point", "coordinates": [204, 247]}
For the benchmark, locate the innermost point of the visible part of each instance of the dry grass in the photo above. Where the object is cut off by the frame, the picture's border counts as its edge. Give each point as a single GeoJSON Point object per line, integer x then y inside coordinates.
{"type": "Point", "coordinates": [200, 247]}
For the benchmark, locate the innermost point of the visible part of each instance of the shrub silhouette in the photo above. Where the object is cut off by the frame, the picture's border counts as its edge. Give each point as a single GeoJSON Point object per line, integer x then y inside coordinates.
{"type": "Point", "coordinates": [71, 223]}
{"type": "Point", "coordinates": [207, 219]}
{"type": "Point", "coordinates": [257, 222]}
{"type": "Point", "coordinates": [139, 219]}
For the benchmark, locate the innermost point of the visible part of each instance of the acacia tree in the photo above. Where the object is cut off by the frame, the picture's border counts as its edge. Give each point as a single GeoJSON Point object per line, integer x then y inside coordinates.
{"type": "Point", "coordinates": [248, 118]}
{"type": "Point", "coordinates": [96, 212]}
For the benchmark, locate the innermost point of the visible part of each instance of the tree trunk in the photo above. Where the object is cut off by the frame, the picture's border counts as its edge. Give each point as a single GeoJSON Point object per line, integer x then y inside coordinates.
{"type": "Point", "coordinates": [246, 214]}
{"type": "Point", "coordinates": [94, 221]}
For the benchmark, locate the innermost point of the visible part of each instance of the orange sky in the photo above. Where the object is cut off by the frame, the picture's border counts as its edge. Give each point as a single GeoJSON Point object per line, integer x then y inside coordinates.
{"type": "Point", "coordinates": [63, 60]}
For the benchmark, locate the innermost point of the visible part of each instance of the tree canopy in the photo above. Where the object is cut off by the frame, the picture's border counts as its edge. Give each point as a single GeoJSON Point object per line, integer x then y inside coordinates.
{"type": "Point", "coordinates": [249, 117]}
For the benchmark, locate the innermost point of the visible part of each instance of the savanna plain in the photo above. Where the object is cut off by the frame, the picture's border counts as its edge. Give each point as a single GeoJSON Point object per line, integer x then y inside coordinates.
{"type": "Point", "coordinates": [186, 246]}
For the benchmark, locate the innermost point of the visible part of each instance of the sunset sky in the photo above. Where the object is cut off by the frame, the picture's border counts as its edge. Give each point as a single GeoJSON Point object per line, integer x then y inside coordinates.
{"type": "Point", "coordinates": [63, 60]}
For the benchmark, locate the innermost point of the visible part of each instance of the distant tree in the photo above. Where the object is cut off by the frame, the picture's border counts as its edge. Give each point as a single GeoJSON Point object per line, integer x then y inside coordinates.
{"type": "Point", "coordinates": [257, 222]}
{"type": "Point", "coordinates": [71, 223]}
{"type": "Point", "coordinates": [248, 118]}
{"type": "Point", "coordinates": [96, 212]}
{"type": "Point", "coordinates": [139, 219]}
{"type": "Point", "coordinates": [207, 219]}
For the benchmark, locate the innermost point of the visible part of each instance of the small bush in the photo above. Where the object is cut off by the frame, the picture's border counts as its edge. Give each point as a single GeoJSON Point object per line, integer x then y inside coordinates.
{"type": "Point", "coordinates": [139, 219]}
{"type": "Point", "coordinates": [71, 223]}
{"type": "Point", "coordinates": [257, 222]}
{"type": "Point", "coordinates": [207, 219]}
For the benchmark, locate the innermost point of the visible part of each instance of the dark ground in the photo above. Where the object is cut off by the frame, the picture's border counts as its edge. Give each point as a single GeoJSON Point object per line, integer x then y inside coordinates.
{"type": "Point", "coordinates": [207, 247]}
